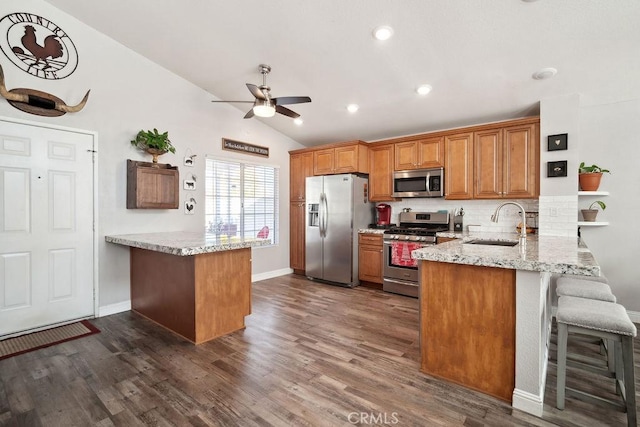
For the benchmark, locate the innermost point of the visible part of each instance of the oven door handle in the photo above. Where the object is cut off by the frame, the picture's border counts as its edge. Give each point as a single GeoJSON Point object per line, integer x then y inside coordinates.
{"type": "Point", "coordinates": [401, 282]}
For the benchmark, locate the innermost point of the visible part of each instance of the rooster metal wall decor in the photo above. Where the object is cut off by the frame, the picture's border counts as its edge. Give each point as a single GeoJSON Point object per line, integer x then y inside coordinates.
{"type": "Point", "coordinates": [37, 102]}
{"type": "Point", "coordinates": [37, 46]}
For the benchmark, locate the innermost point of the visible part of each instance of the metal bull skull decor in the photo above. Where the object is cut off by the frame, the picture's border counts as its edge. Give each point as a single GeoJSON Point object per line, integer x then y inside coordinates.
{"type": "Point", "coordinates": [37, 102]}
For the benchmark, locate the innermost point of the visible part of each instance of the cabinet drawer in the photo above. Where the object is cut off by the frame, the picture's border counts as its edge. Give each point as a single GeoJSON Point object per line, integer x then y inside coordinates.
{"type": "Point", "coordinates": [370, 239]}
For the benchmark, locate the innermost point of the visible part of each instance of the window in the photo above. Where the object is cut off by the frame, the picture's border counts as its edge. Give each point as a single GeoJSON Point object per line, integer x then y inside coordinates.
{"type": "Point", "coordinates": [241, 199]}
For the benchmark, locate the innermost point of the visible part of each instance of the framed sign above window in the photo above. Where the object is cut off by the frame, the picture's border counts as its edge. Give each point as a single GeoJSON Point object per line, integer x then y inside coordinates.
{"type": "Point", "coordinates": [244, 147]}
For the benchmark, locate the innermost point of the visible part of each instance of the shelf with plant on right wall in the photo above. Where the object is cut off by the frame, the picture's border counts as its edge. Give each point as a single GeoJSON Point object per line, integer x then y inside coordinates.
{"type": "Point", "coordinates": [589, 215]}
{"type": "Point", "coordinates": [589, 181]}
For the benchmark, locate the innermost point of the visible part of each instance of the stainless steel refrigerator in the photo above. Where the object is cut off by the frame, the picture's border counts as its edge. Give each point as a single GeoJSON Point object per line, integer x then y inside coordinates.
{"type": "Point", "coordinates": [337, 206]}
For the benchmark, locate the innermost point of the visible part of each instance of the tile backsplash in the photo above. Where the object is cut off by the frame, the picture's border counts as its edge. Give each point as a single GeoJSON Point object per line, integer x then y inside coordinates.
{"type": "Point", "coordinates": [558, 215]}
{"type": "Point", "coordinates": [477, 212]}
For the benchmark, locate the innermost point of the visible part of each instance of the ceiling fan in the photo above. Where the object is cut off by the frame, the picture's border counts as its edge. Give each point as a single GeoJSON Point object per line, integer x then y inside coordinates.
{"type": "Point", "coordinates": [266, 106]}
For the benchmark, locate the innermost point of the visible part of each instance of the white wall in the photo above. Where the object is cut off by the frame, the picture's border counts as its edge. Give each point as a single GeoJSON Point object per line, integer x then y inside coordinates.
{"type": "Point", "coordinates": [129, 93]}
{"type": "Point", "coordinates": [558, 200]}
{"type": "Point", "coordinates": [609, 139]}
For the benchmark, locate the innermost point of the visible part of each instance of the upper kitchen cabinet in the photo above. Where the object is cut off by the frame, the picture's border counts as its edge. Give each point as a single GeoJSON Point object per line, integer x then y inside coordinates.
{"type": "Point", "coordinates": [381, 172]}
{"type": "Point", "coordinates": [300, 167]}
{"type": "Point", "coordinates": [152, 185]}
{"type": "Point", "coordinates": [419, 153]}
{"type": "Point", "coordinates": [348, 157]}
{"type": "Point", "coordinates": [507, 162]}
{"type": "Point", "coordinates": [458, 169]}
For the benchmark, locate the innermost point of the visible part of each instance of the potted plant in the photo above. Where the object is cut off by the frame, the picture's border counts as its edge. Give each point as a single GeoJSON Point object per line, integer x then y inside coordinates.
{"type": "Point", "coordinates": [589, 176]}
{"type": "Point", "coordinates": [153, 142]}
{"type": "Point", "coordinates": [591, 213]}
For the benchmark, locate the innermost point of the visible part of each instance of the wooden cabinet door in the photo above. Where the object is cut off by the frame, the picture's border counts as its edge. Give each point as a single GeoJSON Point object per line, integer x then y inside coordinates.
{"type": "Point", "coordinates": [406, 155]}
{"type": "Point", "coordinates": [300, 167]}
{"type": "Point", "coordinates": [323, 161]}
{"type": "Point", "coordinates": [458, 173]}
{"type": "Point", "coordinates": [152, 187]}
{"type": "Point", "coordinates": [520, 162]}
{"type": "Point", "coordinates": [381, 173]}
{"type": "Point", "coordinates": [430, 152]}
{"type": "Point", "coordinates": [370, 258]}
{"type": "Point", "coordinates": [419, 154]}
{"type": "Point", "coordinates": [297, 236]}
{"type": "Point", "coordinates": [346, 159]}
{"type": "Point", "coordinates": [487, 151]}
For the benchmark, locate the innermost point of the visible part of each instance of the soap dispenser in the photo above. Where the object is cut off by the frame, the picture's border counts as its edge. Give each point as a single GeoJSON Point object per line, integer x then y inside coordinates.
{"type": "Point", "coordinates": [457, 219]}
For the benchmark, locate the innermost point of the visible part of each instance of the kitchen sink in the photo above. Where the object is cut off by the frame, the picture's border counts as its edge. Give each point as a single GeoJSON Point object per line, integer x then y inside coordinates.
{"type": "Point", "coordinates": [492, 242]}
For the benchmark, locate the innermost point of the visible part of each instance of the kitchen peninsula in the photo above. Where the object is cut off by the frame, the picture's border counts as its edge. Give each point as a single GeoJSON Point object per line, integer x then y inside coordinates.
{"type": "Point", "coordinates": [195, 284]}
{"type": "Point", "coordinates": [485, 311]}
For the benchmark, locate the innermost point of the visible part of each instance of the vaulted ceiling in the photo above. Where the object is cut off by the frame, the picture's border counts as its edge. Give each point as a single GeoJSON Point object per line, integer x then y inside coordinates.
{"type": "Point", "coordinates": [478, 55]}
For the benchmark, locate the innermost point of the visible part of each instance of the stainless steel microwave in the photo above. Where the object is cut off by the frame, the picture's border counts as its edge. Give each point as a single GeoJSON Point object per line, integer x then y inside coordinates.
{"type": "Point", "coordinates": [419, 183]}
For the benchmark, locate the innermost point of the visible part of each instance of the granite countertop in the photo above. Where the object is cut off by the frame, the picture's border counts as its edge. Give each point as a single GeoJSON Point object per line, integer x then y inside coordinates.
{"type": "Point", "coordinates": [371, 230]}
{"type": "Point", "coordinates": [554, 254]}
{"type": "Point", "coordinates": [185, 243]}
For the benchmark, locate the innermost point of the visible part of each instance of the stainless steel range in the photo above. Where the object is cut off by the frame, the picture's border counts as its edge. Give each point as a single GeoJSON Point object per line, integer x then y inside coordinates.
{"type": "Point", "coordinates": [416, 230]}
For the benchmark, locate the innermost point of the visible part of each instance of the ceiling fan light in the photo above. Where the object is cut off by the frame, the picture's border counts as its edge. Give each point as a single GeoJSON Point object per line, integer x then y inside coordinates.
{"type": "Point", "coordinates": [352, 108]}
{"type": "Point", "coordinates": [264, 109]}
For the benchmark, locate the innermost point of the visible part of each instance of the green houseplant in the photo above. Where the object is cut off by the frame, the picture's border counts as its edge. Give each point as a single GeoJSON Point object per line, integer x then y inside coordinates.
{"type": "Point", "coordinates": [591, 213]}
{"type": "Point", "coordinates": [589, 176]}
{"type": "Point", "coordinates": [153, 142]}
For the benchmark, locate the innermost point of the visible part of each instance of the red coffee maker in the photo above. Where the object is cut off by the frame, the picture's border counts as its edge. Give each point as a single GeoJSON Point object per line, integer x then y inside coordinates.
{"type": "Point", "coordinates": [384, 214]}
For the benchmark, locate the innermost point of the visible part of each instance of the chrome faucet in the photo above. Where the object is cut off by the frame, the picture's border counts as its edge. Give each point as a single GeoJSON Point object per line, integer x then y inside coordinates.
{"type": "Point", "coordinates": [523, 228]}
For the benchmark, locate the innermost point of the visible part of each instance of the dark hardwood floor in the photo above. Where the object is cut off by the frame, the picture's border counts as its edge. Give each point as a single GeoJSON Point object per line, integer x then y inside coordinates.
{"type": "Point", "coordinates": [311, 355]}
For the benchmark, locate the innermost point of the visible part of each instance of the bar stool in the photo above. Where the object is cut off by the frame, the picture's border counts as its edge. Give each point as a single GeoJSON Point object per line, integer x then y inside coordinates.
{"type": "Point", "coordinates": [590, 287]}
{"type": "Point", "coordinates": [607, 321]}
{"type": "Point", "coordinates": [585, 287]}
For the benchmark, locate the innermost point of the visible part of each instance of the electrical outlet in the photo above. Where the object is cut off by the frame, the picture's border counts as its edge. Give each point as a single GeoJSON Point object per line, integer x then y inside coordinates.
{"type": "Point", "coordinates": [553, 212]}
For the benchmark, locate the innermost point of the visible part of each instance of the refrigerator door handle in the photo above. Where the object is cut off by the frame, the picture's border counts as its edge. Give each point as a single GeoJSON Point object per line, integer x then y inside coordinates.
{"type": "Point", "coordinates": [321, 215]}
{"type": "Point", "coordinates": [325, 215]}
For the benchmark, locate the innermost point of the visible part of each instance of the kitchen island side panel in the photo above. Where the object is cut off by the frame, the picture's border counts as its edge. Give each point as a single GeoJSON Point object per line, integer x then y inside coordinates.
{"type": "Point", "coordinates": [223, 292]}
{"type": "Point", "coordinates": [163, 290]}
{"type": "Point", "coordinates": [467, 326]}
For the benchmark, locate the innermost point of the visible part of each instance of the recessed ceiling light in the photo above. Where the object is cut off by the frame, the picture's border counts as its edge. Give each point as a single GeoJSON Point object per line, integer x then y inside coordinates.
{"type": "Point", "coordinates": [423, 89]}
{"type": "Point", "coordinates": [298, 121]}
{"type": "Point", "coordinates": [545, 73]}
{"type": "Point", "coordinates": [383, 32]}
{"type": "Point", "coordinates": [352, 108]}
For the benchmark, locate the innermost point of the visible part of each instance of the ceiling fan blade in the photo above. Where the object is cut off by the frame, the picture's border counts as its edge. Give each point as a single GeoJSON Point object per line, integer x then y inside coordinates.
{"type": "Point", "coordinates": [287, 112]}
{"type": "Point", "coordinates": [255, 91]}
{"type": "Point", "coordinates": [286, 100]}
{"type": "Point", "coordinates": [244, 102]}
{"type": "Point", "coordinates": [249, 114]}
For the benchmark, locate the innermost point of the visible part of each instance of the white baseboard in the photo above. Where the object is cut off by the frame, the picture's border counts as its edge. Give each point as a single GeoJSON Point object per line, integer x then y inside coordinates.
{"type": "Point", "coordinates": [270, 274]}
{"type": "Point", "coordinates": [527, 402]}
{"type": "Point", "coordinates": [114, 308]}
{"type": "Point", "coordinates": [634, 316]}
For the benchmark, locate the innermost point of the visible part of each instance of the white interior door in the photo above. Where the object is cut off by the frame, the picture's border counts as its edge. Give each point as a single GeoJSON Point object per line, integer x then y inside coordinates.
{"type": "Point", "coordinates": [46, 226]}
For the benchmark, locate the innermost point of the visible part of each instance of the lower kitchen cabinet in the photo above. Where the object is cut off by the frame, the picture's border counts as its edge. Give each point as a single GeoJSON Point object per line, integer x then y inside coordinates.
{"type": "Point", "coordinates": [370, 258]}
{"type": "Point", "coordinates": [297, 237]}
